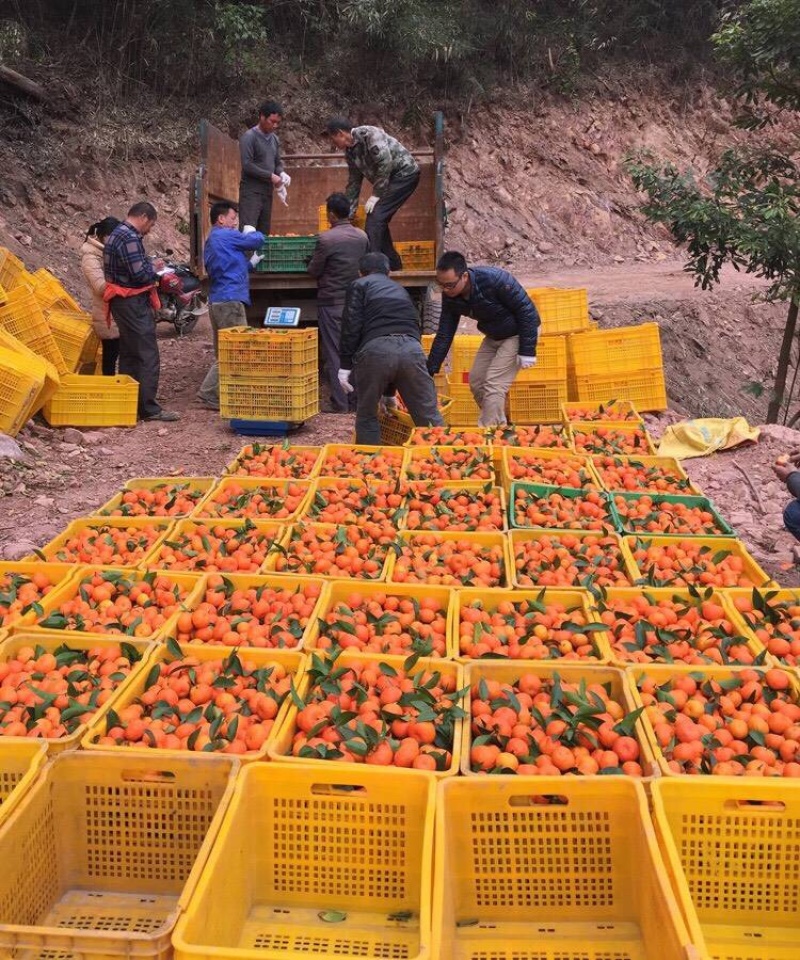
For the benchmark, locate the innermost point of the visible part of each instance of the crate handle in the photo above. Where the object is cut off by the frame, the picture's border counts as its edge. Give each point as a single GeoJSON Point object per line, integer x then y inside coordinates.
{"type": "Point", "coordinates": [538, 800]}
{"type": "Point", "coordinates": [765, 806]}
{"type": "Point", "coordinates": [338, 789]}
{"type": "Point", "coordinates": [148, 776]}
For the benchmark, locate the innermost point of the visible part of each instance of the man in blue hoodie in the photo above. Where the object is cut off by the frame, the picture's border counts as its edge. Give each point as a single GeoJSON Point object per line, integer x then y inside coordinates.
{"type": "Point", "coordinates": [506, 317]}
{"type": "Point", "coordinates": [227, 255]}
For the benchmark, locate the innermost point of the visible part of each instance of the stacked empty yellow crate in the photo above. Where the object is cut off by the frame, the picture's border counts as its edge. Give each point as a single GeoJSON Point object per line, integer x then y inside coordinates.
{"type": "Point", "coordinates": [620, 362]}
{"type": "Point", "coordinates": [268, 375]}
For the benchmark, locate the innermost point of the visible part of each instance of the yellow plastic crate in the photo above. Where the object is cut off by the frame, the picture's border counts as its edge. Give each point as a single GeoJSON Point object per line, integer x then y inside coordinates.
{"type": "Point", "coordinates": [473, 489]}
{"type": "Point", "coordinates": [678, 594]}
{"type": "Point", "coordinates": [292, 399]}
{"type": "Point", "coordinates": [513, 460]}
{"type": "Point", "coordinates": [536, 402]}
{"type": "Point", "coordinates": [10, 269]}
{"type": "Point", "coordinates": [260, 582]}
{"type": "Point", "coordinates": [195, 488]}
{"type": "Point", "coordinates": [550, 868]}
{"type": "Point", "coordinates": [419, 456]}
{"type": "Point", "coordinates": [2, 294]}
{"type": "Point", "coordinates": [591, 429]}
{"type": "Point", "coordinates": [666, 464]}
{"type": "Point", "coordinates": [509, 671]}
{"type": "Point", "coordinates": [49, 643]}
{"type": "Point", "coordinates": [324, 862]}
{"type": "Point", "coordinates": [417, 254]}
{"type": "Point", "coordinates": [291, 660]}
{"type": "Point", "coordinates": [476, 540]}
{"type": "Point", "coordinates": [363, 458]}
{"type": "Point", "coordinates": [190, 585]}
{"type": "Point", "coordinates": [50, 291]}
{"type": "Point", "coordinates": [264, 532]}
{"type": "Point", "coordinates": [74, 336]}
{"type": "Point", "coordinates": [20, 763]}
{"type": "Point", "coordinates": [246, 352]}
{"type": "Point", "coordinates": [281, 745]}
{"type": "Point", "coordinates": [211, 505]}
{"type": "Point", "coordinates": [776, 600]}
{"type": "Point", "coordinates": [23, 318]}
{"type": "Point", "coordinates": [646, 387]}
{"type": "Point", "coordinates": [396, 427]}
{"type": "Point", "coordinates": [750, 569]}
{"type": "Point", "coordinates": [359, 218]}
{"type": "Point", "coordinates": [464, 411]}
{"type": "Point", "coordinates": [340, 592]}
{"type": "Point", "coordinates": [153, 530]}
{"type": "Point", "coordinates": [276, 460]}
{"type": "Point", "coordinates": [21, 382]}
{"type": "Point", "coordinates": [573, 599]}
{"type": "Point", "coordinates": [603, 411]}
{"type": "Point", "coordinates": [118, 845]}
{"type": "Point", "coordinates": [35, 364]}
{"type": "Point", "coordinates": [661, 674]}
{"type": "Point", "coordinates": [518, 537]}
{"type": "Point", "coordinates": [561, 311]}
{"type": "Point", "coordinates": [56, 573]}
{"type": "Point", "coordinates": [91, 401]}
{"type": "Point", "coordinates": [621, 350]}
{"type": "Point", "coordinates": [462, 352]}
{"type": "Point", "coordinates": [325, 531]}
{"type": "Point", "coordinates": [732, 848]}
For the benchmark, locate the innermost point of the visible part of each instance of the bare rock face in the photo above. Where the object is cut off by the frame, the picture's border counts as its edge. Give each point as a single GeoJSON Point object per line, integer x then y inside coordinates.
{"type": "Point", "coordinates": [9, 448]}
{"type": "Point", "coordinates": [17, 549]}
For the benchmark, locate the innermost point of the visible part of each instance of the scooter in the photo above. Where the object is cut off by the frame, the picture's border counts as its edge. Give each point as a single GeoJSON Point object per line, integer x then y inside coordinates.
{"type": "Point", "coordinates": [181, 295]}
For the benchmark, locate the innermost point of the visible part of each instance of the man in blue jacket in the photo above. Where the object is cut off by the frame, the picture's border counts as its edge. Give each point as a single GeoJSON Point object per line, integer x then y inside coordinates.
{"type": "Point", "coordinates": [226, 255]}
{"type": "Point", "coordinates": [506, 317]}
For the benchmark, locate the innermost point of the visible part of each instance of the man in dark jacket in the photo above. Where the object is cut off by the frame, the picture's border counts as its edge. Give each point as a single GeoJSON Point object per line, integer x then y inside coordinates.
{"type": "Point", "coordinates": [390, 168]}
{"type": "Point", "coordinates": [335, 266]}
{"type": "Point", "coordinates": [130, 291]}
{"type": "Point", "coordinates": [262, 168]}
{"type": "Point", "coordinates": [380, 336]}
{"type": "Point", "coordinates": [506, 317]}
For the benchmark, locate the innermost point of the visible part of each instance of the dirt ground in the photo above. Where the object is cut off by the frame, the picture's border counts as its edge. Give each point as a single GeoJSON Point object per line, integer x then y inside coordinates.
{"type": "Point", "coordinates": [65, 474]}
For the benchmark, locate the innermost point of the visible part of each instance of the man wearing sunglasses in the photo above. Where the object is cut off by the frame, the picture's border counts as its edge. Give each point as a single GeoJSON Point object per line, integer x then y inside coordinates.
{"type": "Point", "coordinates": [507, 319]}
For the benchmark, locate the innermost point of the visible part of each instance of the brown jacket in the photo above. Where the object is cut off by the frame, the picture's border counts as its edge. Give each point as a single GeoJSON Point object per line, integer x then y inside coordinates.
{"type": "Point", "coordinates": [92, 267]}
{"type": "Point", "coordinates": [335, 260]}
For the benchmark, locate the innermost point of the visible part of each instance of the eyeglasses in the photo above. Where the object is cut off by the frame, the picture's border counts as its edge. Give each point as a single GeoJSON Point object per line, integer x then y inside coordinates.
{"type": "Point", "coordinates": [451, 285]}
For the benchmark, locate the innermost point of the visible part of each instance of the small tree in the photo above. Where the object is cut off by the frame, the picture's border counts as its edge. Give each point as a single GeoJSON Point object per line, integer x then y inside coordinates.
{"type": "Point", "coordinates": [745, 211]}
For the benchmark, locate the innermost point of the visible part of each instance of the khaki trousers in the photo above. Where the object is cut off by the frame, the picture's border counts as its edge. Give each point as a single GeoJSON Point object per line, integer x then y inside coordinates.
{"type": "Point", "coordinates": [491, 376]}
{"type": "Point", "coordinates": [229, 313]}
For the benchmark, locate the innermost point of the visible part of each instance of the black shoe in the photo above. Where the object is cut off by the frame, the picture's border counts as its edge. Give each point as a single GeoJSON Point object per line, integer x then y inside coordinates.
{"type": "Point", "coordinates": [166, 416]}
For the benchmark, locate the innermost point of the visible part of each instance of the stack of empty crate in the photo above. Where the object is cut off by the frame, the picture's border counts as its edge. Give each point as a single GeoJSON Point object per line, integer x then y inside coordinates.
{"type": "Point", "coordinates": [619, 362]}
{"type": "Point", "coordinates": [536, 395]}
{"type": "Point", "coordinates": [268, 379]}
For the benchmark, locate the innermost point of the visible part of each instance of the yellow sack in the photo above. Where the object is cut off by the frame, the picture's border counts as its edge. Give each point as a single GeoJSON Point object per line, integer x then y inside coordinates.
{"type": "Point", "coordinates": [699, 438]}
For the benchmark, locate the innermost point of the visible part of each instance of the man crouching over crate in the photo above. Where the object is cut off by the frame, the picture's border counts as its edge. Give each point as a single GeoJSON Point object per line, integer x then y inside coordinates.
{"type": "Point", "coordinates": [381, 340]}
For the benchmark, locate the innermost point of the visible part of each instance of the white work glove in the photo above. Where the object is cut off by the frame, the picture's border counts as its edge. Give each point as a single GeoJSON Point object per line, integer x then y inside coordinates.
{"type": "Point", "coordinates": [371, 203]}
{"type": "Point", "coordinates": [256, 259]}
{"type": "Point", "coordinates": [248, 229]}
{"type": "Point", "coordinates": [524, 363]}
{"type": "Point", "coordinates": [344, 380]}
{"type": "Point", "coordinates": [387, 405]}
{"type": "Point", "coordinates": [282, 196]}
{"type": "Point", "coordinates": [286, 180]}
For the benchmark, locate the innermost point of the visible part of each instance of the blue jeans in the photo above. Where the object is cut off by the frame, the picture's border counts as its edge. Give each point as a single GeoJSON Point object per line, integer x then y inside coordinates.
{"type": "Point", "coordinates": [791, 518]}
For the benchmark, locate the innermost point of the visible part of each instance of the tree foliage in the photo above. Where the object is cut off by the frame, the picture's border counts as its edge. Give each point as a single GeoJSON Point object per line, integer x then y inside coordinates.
{"type": "Point", "coordinates": [761, 42]}
{"type": "Point", "coordinates": [367, 48]}
{"type": "Point", "coordinates": [746, 211]}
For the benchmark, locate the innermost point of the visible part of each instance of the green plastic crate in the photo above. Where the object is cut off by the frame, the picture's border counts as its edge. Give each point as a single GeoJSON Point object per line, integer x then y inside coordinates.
{"type": "Point", "coordinates": [569, 493]}
{"type": "Point", "coordinates": [724, 530]}
{"type": "Point", "coordinates": [286, 254]}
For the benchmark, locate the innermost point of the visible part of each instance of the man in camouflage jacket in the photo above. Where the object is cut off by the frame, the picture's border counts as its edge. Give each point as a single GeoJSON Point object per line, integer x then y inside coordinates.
{"type": "Point", "coordinates": [394, 174]}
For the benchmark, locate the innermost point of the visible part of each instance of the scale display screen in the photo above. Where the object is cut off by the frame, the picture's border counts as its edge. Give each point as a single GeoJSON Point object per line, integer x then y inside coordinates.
{"type": "Point", "coordinates": [282, 317]}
